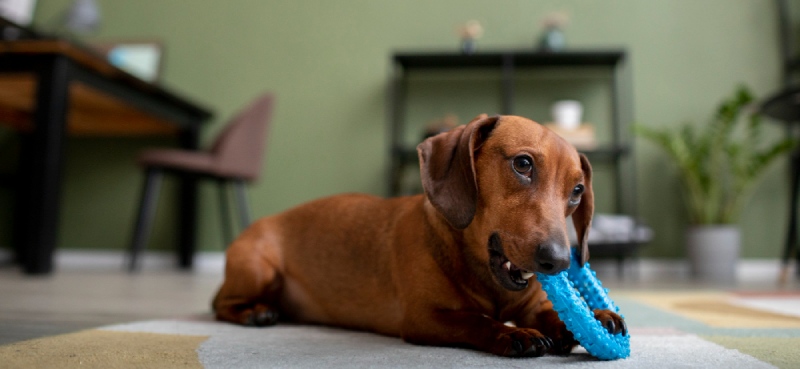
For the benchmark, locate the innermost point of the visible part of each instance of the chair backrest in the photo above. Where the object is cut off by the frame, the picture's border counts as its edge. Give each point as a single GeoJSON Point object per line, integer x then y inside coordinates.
{"type": "Point", "coordinates": [238, 151]}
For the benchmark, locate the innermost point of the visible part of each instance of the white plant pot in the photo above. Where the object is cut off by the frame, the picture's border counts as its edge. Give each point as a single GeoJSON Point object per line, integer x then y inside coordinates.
{"type": "Point", "coordinates": [714, 253]}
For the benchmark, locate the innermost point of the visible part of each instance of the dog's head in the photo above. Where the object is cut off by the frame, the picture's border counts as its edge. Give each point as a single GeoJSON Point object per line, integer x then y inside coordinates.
{"type": "Point", "coordinates": [510, 183]}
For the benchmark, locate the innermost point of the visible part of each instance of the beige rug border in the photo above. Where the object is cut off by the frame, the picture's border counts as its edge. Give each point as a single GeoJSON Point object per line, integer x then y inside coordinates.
{"type": "Point", "coordinates": [715, 309]}
{"type": "Point", "coordinates": [96, 348]}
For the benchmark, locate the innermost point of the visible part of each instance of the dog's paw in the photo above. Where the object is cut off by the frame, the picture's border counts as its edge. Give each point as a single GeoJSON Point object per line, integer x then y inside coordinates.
{"type": "Point", "coordinates": [523, 342]}
{"type": "Point", "coordinates": [551, 326]}
{"type": "Point", "coordinates": [260, 316]}
{"type": "Point", "coordinates": [563, 344]}
{"type": "Point", "coordinates": [612, 322]}
{"type": "Point", "coordinates": [255, 315]}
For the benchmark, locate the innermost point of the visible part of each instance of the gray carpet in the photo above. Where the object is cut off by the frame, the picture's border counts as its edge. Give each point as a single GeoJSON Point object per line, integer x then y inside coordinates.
{"type": "Point", "coordinates": [319, 347]}
{"type": "Point", "coordinates": [684, 330]}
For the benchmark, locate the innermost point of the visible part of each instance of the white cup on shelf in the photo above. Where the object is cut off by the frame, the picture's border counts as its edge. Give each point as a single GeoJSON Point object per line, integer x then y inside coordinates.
{"type": "Point", "coordinates": [567, 114]}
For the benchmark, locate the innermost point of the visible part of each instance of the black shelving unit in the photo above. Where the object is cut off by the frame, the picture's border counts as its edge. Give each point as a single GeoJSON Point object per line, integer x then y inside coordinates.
{"type": "Point", "coordinates": [784, 105]}
{"type": "Point", "coordinates": [617, 153]}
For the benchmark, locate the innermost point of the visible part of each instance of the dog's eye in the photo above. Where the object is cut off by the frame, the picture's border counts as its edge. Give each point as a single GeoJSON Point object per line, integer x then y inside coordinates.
{"type": "Point", "coordinates": [575, 197]}
{"type": "Point", "coordinates": [523, 164]}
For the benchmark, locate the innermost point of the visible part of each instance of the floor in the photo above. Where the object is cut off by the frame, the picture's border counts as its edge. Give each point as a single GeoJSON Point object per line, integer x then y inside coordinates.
{"type": "Point", "coordinates": [92, 291]}
{"type": "Point", "coordinates": [79, 296]}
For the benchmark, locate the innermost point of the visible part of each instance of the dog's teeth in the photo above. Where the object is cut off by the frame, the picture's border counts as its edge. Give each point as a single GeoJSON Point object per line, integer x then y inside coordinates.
{"type": "Point", "coordinates": [507, 265]}
{"type": "Point", "coordinates": [527, 275]}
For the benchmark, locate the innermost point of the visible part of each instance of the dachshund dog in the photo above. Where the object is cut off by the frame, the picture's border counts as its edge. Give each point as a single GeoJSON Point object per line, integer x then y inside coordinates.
{"type": "Point", "coordinates": [451, 267]}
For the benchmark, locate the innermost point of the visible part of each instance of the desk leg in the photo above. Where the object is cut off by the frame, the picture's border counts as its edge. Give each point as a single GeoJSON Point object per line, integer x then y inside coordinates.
{"type": "Point", "coordinates": [40, 169]}
{"type": "Point", "coordinates": [187, 205]}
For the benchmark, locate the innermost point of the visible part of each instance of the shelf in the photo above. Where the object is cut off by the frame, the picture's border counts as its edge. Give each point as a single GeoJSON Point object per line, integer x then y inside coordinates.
{"type": "Point", "coordinates": [607, 153]}
{"type": "Point", "coordinates": [613, 248]}
{"type": "Point", "coordinates": [508, 63]}
{"type": "Point", "coordinates": [519, 58]}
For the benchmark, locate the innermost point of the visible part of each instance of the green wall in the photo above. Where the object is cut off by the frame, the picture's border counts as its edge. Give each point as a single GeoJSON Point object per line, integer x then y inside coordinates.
{"type": "Point", "coordinates": [328, 63]}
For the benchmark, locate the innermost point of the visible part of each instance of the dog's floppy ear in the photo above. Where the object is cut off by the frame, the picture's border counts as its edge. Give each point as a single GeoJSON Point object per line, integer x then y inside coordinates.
{"type": "Point", "coordinates": [448, 171]}
{"type": "Point", "coordinates": [582, 217]}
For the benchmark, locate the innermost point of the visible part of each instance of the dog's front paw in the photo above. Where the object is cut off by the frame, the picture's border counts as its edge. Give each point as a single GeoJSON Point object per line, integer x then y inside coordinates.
{"type": "Point", "coordinates": [551, 326]}
{"type": "Point", "coordinates": [523, 342]}
{"type": "Point", "coordinates": [611, 321]}
{"type": "Point", "coordinates": [563, 344]}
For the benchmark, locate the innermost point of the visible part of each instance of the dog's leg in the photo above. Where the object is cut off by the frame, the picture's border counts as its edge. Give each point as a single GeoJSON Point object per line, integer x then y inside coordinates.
{"type": "Point", "coordinates": [548, 322]}
{"type": "Point", "coordinates": [476, 331]}
{"type": "Point", "coordinates": [251, 286]}
{"type": "Point", "coordinates": [538, 314]}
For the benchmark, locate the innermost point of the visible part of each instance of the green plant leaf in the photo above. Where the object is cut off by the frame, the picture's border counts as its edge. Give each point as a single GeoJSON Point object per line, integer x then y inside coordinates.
{"type": "Point", "coordinates": [720, 162]}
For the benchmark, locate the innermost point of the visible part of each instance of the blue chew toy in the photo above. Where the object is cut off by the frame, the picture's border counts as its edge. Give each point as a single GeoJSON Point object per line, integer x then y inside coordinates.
{"type": "Point", "coordinates": [574, 293]}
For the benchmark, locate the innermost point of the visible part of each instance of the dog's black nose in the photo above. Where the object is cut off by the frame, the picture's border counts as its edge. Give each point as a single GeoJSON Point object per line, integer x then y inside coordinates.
{"type": "Point", "coordinates": [552, 258]}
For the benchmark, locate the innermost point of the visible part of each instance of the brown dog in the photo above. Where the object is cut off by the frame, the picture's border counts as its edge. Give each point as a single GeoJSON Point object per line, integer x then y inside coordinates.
{"type": "Point", "coordinates": [447, 268]}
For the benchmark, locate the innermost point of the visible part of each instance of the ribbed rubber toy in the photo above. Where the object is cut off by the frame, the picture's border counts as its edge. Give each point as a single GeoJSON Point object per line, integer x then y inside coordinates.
{"type": "Point", "coordinates": [575, 293]}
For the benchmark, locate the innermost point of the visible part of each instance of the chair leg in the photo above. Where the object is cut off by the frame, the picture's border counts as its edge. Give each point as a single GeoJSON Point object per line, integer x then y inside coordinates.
{"type": "Point", "coordinates": [225, 212]}
{"type": "Point", "coordinates": [145, 215]}
{"type": "Point", "coordinates": [241, 198]}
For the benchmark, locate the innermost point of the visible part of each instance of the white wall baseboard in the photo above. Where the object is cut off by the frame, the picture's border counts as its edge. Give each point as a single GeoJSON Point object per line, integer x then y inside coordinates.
{"type": "Point", "coordinates": [76, 259]}
{"type": "Point", "coordinates": [212, 262]}
{"type": "Point", "coordinates": [657, 270]}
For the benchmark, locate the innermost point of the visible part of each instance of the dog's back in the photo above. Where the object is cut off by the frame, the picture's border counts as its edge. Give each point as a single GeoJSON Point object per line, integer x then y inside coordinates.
{"type": "Point", "coordinates": [334, 263]}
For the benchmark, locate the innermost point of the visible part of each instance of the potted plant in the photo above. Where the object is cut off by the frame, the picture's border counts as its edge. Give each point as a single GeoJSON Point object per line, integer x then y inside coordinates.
{"type": "Point", "coordinates": [719, 165]}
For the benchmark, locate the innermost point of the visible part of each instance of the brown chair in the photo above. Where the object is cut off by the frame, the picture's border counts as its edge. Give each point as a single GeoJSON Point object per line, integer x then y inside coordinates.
{"type": "Point", "coordinates": [235, 157]}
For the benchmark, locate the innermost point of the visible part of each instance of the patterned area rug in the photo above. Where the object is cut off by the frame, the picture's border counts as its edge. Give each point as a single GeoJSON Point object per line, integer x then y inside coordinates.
{"type": "Point", "coordinates": [698, 329]}
{"type": "Point", "coordinates": [763, 325]}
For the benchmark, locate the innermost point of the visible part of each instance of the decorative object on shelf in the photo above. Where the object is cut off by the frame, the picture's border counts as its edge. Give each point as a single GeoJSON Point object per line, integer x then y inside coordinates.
{"type": "Point", "coordinates": [552, 38]}
{"type": "Point", "coordinates": [142, 59]}
{"type": "Point", "coordinates": [469, 33]}
{"type": "Point", "coordinates": [567, 117]}
{"type": "Point", "coordinates": [567, 114]}
{"type": "Point", "coordinates": [82, 16]}
{"type": "Point", "coordinates": [719, 164]}
{"type": "Point", "coordinates": [439, 125]}
{"type": "Point", "coordinates": [18, 11]}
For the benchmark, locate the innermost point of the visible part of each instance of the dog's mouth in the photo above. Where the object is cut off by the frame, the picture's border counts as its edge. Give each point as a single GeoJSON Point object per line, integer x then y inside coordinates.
{"type": "Point", "coordinates": [505, 272]}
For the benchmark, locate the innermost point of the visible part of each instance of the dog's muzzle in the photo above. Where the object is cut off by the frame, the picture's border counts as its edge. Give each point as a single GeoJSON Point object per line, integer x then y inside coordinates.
{"type": "Point", "coordinates": [550, 257]}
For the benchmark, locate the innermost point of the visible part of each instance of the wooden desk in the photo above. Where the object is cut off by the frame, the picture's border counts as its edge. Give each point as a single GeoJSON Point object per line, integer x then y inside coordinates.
{"type": "Point", "coordinates": [53, 88]}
